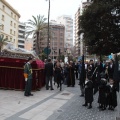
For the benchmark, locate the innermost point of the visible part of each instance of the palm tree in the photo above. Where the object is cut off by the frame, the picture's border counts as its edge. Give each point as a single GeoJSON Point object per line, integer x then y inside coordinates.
{"type": "Point", "coordinates": [35, 27]}
{"type": "Point", "coordinates": [2, 42]}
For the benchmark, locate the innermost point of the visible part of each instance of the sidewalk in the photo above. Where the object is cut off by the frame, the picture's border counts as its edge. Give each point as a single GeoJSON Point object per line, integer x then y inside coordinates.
{"type": "Point", "coordinates": [51, 105]}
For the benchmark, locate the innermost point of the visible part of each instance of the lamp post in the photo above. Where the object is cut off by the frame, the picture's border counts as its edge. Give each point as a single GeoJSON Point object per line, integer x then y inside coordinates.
{"type": "Point", "coordinates": [53, 47]}
{"type": "Point", "coordinates": [48, 29]}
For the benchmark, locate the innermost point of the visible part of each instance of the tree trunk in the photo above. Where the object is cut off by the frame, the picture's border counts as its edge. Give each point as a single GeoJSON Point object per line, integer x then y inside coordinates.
{"type": "Point", "coordinates": [38, 47]}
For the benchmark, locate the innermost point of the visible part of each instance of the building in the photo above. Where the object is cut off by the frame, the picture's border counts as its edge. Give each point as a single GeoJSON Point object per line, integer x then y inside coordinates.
{"type": "Point", "coordinates": [21, 35]}
{"type": "Point", "coordinates": [29, 44]}
{"type": "Point", "coordinates": [67, 21]}
{"type": "Point", "coordinates": [76, 30]}
{"type": "Point", "coordinates": [56, 42]}
{"type": "Point", "coordinates": [9, 19]}
{"type": "Point", "coordinates": [80, 48]}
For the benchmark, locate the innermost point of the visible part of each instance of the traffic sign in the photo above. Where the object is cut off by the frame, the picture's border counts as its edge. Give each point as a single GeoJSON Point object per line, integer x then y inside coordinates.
{"type": "Point", "coordinates": [47, 50]}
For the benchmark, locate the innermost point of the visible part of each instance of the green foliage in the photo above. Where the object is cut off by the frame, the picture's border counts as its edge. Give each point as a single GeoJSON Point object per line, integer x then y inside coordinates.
{"type": "Point", "coordinates": [101, 26]}
{"type": "Point", "coordinates": [42, 56]}
{"type": "Point", "coordinates": [37, 27]}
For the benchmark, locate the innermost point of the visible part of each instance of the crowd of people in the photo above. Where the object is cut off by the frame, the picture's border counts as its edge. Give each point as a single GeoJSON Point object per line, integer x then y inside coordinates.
{"type": "Point", "coordinates": [93, 78]}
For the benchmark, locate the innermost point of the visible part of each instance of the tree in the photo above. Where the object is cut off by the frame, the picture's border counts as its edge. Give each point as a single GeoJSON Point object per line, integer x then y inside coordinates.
{"type": "Point", "coordinates": [2, 42]}
{"type": "Point", "coordinates": [101, 26]}
{"type": "Point", "coordinates": [36, 27]}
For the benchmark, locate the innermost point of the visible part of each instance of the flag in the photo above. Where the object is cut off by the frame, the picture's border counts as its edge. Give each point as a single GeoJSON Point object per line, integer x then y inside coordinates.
{"type": "Point", "coordinates": [116, 74]}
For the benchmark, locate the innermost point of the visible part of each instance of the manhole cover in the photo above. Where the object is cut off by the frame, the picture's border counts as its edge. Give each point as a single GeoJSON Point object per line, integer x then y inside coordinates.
{"type": "Point", "coordinates": [59, 110]}
{"type": "Point", "coordinates": [65, 94]}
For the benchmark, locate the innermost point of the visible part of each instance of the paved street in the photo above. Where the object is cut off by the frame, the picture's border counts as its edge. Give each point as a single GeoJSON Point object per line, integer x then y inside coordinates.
{"type": "Point", "coordinates": [51, 105]}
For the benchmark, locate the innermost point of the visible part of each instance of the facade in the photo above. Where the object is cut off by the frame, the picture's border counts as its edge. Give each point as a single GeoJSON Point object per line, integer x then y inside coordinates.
{"type": "Point", "coordinates": [67, 21]}
{"type": "Point", "coordinates": [29, 44]}
{"type": "Point", "coordinates": [77, 37]}
{"type": "Point", "coordinates": [9, 19]}
{"type": "Point", "coordinates": [21, 35]}
{"type": "Point", "coordinates": [80, 48]}
{"type": "Point", "coordinates": [56, 42]}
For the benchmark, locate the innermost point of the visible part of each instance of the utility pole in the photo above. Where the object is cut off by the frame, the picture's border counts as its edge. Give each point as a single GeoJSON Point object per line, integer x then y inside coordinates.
{"type": "Point", "coordinates": [48, 29]}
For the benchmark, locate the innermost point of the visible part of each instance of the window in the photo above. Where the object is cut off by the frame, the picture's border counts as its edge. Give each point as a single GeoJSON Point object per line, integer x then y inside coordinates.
{"type": "Point", "coordinates": [10, 31]}
{"type": "Point", "coordinates": [11, 14]}
{"type": "Point", "coordinates": [3, 18]}
{"type": "Point", "coordinates": [6, 37]}
{"type": "Point", "coordinates": [15, 16]}
{"type": "Point", "coordinates": [10, 39]}
{"type": "Point", "coordinates": [2, 27]}
{"type": "Point", "coordinates": [14, 32]}
{"type": "Point", "coordinates": [11, 23]}
{"type": "Point", "coordinates": [14, 25]}
{"type": "Point", "coordinates": [3, 8]}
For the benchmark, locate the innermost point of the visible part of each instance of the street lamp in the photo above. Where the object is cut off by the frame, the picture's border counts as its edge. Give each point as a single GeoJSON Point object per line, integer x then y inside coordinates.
{"type": "Point", "coordinates": [48, 28]}
{"type": "Point", "coordinates": [53, 47]}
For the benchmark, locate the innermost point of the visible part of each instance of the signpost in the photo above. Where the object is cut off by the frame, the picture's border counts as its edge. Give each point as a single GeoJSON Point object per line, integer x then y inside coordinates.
{"type": "Point", "coordinates": [47, 51]}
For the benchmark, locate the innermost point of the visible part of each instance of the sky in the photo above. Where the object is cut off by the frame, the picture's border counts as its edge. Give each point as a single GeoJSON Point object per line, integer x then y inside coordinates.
{"type": "Point", "coordinates": [27, 8]}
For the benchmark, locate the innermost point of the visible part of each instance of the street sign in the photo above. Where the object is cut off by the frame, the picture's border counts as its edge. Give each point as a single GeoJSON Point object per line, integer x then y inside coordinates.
{"type": "Point", "coordinates": [110, 57]}
{"type": "Point", "coordinates": [79, 58]}
{"type": "Point", "coordinates": [47, 50]}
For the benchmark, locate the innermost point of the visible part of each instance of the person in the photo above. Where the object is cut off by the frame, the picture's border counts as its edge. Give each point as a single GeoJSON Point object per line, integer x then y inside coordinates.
{"type": "Point", "coordinates": [112, 95]}
{"type": "Point", "coordinates": [71, 75]}
{"type": "Point", "coordinates": [111, 69]}
{"type": "Point", "coordinates": [49, 74]}
{"type": "Point", "coordinates": [88, 91]}
{"type": "Point", "coordinates": [102, 98]}
{"type": "Point", "coordinates": [76, 70]}
{"type": "Point", "coordinates": [28, 77]}
{"type": "Point", "coordinates": [58, 74]}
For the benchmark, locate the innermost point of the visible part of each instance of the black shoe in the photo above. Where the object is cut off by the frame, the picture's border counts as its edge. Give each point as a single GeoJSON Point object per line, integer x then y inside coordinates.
{"type": "Point", "coordinates": [26, 95]}
{"type": "Point", "coordinates": [85, 105]}
{"type": "Point", "coordinates": [30, 94]}
{"type": "Point", "coordinates": [47, 88]}
{"type": "Point", "coordinates": [89, 107]}
{"type": "Point", "coordinates": [52, 89]}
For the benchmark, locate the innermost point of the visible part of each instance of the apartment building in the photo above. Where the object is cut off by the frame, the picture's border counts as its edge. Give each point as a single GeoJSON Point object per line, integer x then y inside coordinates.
{"type": "Point", "coordinates": [67, 21]}
{"type": "Point", "coordinates": [80, 48]}
{"type": "Point", "coordinates": [56, 42]}
{"type": "Point", "coordinates": [77, 37]}
{"type": "Point", "coordinates": [29, 44]}
{"type": "Point", "coordinates": [21, 35]}
{"type": "Point", "coordinates": [9, 20]}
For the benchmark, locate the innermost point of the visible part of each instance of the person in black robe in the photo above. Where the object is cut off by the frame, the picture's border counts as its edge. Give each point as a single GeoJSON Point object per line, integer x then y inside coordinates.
{"type": "Point", "coordinates": [112, 95]}
{"type": "Point", "coordinates": [102, 98]}
{"type": "Point", "coordinates": [71, 75]}
{"type": "Point", "coordinates": [58, 74]}
{"type": "Point", "coordinates": [88, 91]}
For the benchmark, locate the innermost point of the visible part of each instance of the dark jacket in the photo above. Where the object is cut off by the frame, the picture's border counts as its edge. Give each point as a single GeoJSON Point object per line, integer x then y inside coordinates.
{"type": "Point", "coordinates": [49, 69]}
{"type": "Point", "coordinates": [89, 91]}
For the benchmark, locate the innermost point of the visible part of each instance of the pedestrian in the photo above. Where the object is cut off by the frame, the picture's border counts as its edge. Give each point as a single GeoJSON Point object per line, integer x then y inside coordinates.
{"type": "Point", "coordinates": [49, 74]}
{"type": "Point", "coordinates": [88, 91]}
{"type": "Point", "coordinates": [102, 98]}
{"type": "Point", "coordinates": [59, 75]}
{"type": "Point", "coordinates": [28, 77]}
{"type": "Point", "coordinates": [112, 95]}
{"type": "Point", "coordinates": [71, 75]}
